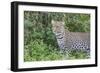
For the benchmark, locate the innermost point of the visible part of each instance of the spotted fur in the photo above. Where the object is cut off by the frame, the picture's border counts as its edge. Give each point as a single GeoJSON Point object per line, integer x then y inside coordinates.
{"type": "Point", "coordinates": [70, 40]}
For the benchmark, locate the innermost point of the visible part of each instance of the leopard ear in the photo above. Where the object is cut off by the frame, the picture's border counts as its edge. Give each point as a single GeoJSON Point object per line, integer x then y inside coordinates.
{"type": "Point", "coordinates": [63, 22]}
{"type": "Point", "coordinates": [52, 21]}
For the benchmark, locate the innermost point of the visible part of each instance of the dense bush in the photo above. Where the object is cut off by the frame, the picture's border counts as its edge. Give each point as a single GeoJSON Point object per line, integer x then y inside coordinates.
{"type": "Point", "coordinates": [78, 22]}
{"type": "Point", "coordinates": [37, 50]}
{"type": "Point", "coordinates": [39, 40]}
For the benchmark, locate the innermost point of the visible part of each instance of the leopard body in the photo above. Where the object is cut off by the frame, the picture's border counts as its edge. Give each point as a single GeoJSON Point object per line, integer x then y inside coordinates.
{"type": "Point", "coordinates": [70, 40]}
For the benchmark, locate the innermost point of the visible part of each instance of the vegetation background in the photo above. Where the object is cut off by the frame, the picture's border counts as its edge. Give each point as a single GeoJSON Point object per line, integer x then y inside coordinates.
{"type": "Point", "coordinates": [40, 44]}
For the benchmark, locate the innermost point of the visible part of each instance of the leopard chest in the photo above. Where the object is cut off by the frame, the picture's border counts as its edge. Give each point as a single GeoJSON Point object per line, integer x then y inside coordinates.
{"type": "Point", "coordinates": [61, 40]}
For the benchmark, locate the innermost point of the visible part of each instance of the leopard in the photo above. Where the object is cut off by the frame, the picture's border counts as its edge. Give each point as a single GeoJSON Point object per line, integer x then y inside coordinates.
{"type": "Point", "coordinates": [70, 40]}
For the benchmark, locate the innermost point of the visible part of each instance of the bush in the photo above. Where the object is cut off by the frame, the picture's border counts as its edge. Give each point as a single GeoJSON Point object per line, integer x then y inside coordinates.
{"type": "Point", "coordinates": [80, 54]}
{"type": "Point", "coordinates": [40, 44]}
{"type": "Point", "coordinates": [38, 51]}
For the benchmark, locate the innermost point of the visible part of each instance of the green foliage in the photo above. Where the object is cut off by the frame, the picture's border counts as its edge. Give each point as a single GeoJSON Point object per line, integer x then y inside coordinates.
{"type": "Point", "coordinates": [78, 54]}
{"type": "Point", "coordinates": [77, 22]}
{"type": "Point", "coordinates": [38, 51]}
{"type": "Point", "coordinates": [39, 41]}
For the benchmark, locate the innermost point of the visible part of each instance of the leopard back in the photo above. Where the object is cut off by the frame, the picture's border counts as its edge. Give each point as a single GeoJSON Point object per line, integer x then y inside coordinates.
{"type": "Point", "coordinates": [78, 40]}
